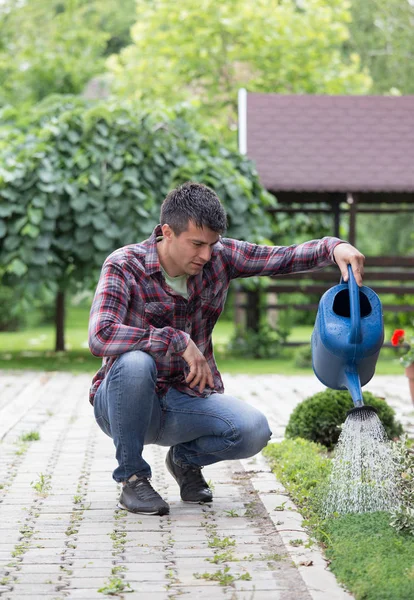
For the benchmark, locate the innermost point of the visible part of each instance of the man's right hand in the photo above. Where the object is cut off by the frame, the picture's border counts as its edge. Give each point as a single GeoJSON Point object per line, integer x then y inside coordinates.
{"type": "Point", "coordinates": [200, 373]}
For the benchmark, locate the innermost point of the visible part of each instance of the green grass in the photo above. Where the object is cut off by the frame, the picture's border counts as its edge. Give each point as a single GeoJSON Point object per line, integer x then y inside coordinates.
{"type": "Point", "coordinates": [373, 560]}
{"type": "Point", "coordinates": [32, 349]}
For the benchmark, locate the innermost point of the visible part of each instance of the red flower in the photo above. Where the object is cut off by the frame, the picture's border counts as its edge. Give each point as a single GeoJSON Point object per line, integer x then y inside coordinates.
{"type": "Point", "coordinates": [397, 337]}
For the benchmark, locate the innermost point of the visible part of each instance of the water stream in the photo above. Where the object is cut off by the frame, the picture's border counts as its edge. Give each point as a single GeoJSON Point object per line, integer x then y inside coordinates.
{"type": "Point", "coordinates": [363, 477]}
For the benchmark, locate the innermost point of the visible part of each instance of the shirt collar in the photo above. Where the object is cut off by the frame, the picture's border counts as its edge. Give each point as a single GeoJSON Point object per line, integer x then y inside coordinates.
{"type": "Point", "coordinates": [152, 261]}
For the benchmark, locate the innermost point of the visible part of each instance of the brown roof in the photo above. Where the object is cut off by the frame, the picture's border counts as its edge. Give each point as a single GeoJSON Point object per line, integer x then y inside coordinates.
{"type": "Point", "coordinates": [332, 143]}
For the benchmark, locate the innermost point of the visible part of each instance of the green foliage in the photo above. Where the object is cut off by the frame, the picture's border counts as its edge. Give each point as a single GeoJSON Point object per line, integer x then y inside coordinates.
{"type": "Point", "coordinates": [303, 357]}
{"type": "Point", "coordinates": [382, 34]}
{"type": "Point", "coordinates": [115, 586]}
{"type": "Point", "coordinates": [18, 311]}
{"type": "Point", "coordinates": [267, 342]}
{"type": "Point", "coordinates": [42, 486]}
{"type": "Point", "coordinates": [30, 436]}
{"type": "Point", "coordinates": [76, 36]}
{"type": "Point", "coordinates": [9, 317]}
{"type": "Point", "coordinates": [224, 577]}
{"type": "Point", "coordinates": [81, 179]}
{"type": "Point", "coordinates": [303, 467]}
{"type": "Point", "coordinates": [371, 559]}
{"type": "Point", "coordinates": [202, 53]}
{"type": "Point", "coordinates": [319, 417]}
{"type": "Point", "coordinates": [402, 519]}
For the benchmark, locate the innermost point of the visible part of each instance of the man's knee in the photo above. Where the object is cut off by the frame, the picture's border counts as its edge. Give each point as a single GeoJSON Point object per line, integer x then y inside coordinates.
{"type": "Point", "coordinates": [254, 434]}
{"type": "Point", "coordinates": [137, 362]}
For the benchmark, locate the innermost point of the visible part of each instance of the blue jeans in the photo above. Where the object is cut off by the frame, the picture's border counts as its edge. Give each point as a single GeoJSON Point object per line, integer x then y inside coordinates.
{"type": "Point", "coordinates": [202, 431]}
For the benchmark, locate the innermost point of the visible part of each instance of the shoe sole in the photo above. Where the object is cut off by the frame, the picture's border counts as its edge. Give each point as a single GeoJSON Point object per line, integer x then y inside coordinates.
{"type": "Point", "coordinates": [161, 512]}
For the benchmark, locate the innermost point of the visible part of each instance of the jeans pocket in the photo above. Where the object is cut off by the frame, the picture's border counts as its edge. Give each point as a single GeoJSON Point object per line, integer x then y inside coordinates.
{"type": "Point", "coordinates": [104, 425]}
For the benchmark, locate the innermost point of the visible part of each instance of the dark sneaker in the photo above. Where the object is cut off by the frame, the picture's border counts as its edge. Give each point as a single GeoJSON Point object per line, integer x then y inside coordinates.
{"type": "Point", "coordinates": [138, 496]}
{"type": "Point", "coordinates": [193, 486]}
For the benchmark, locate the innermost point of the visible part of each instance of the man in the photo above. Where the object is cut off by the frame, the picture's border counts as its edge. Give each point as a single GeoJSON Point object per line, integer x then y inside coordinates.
{"type": "Point", "coordinates": [151, 319]}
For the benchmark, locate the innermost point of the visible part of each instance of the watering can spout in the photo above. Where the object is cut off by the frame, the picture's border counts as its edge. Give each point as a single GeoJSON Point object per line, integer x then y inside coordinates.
{"type": "Point", "coordinates": [347, 337]}
{"type": "Point", "coordinates": [353, 384]}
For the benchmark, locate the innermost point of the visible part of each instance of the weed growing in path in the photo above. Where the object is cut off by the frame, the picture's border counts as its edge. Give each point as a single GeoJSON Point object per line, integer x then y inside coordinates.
{"type": "Point", "coordinates": [220, 558]}
{"type": "Point", "coordinates": [231, 513]}
{"type": "Point", "coordinates": [223, 577]}
{"type": "Point", "coordinates": [43, 485]}
{"type": "Point", "coordinates": [30, 436]}
{"type": "Point", "coordinates": [218, 542]}
{"type": "Point", "coordinates": [297, 542]}
{"type": "Point", "coordinates": [115, 586]}
{"type": "Point", "coordinates": [118, 569]}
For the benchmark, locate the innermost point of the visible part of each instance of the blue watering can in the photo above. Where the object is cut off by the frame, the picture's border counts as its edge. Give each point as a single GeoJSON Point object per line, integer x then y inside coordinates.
{"type": "Point", "coordinates": [347, 338]}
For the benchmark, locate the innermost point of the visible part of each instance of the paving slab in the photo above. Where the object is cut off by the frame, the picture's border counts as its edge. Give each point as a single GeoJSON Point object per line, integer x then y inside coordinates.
{"type": "Point", "coordinates": [65, 539]}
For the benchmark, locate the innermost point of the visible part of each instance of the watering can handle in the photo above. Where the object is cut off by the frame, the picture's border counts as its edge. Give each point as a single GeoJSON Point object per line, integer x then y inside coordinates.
{"type": "Point", "coordinates": [355, 336]}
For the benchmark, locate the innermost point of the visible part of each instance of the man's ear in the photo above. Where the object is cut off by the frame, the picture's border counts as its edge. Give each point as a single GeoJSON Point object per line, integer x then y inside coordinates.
{"type": "Point", "coordinates": [167, 232]}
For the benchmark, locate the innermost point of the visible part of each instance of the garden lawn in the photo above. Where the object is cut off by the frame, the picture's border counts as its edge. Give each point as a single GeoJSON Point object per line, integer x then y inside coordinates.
{"type": "Point", "coordinates": [33, 349]}
{"type": "Point", "coordinates": [368, 556]}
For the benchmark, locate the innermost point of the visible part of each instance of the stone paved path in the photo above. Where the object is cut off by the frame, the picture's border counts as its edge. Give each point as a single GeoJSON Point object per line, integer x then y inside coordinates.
{"type": "Point", "coordinates": [62, 536]}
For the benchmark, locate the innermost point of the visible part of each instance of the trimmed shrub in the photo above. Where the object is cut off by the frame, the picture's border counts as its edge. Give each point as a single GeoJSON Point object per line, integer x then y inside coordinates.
{"type": "Point", "coordinates": [319, 417]}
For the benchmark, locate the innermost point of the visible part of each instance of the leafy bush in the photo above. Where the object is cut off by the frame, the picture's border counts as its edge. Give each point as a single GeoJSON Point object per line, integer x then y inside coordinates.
{"type": "Point", "coordinates": [319, 417]}
{"type": "Point", "coordinates": [10, 320]}
{"type": "Point", "coordinates": [81, 179]}
{"type": "Point", "coordinates": [303, 357]}
{"type": "Point", "coordinates": [267, 342]}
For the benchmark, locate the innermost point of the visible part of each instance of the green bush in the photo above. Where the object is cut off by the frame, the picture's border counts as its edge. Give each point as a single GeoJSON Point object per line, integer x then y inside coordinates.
{"type": "Point", "coordinates": [9, 318]}
{"type": "Point", "coordinates": [303, 357]}
{"type": "Point", "coordinates": [267, 342]}
{"type": "Point", "coordinates": [319, 417]}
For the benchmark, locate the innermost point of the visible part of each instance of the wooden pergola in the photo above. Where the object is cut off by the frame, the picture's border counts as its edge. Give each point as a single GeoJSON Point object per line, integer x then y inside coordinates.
{"type": "Point", "coordinates": [338, 155]}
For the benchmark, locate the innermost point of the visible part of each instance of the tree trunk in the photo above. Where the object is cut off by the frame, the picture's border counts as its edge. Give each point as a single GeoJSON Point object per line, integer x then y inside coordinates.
{"type": "Point", "coordinates": [253, 310]}
{"type": "Point", "coordinates": [60, 321]}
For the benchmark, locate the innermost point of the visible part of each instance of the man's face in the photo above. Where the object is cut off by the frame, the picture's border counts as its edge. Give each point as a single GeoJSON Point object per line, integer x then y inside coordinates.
{"type": "Point", "coordinates": [191, 250]}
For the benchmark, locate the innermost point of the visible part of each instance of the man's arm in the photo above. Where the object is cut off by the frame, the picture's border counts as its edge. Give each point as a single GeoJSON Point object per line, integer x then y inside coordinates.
{"type": "Point", "coordinates": [108, 336]}
{"type": "Point", "coordinates": [251, 259]}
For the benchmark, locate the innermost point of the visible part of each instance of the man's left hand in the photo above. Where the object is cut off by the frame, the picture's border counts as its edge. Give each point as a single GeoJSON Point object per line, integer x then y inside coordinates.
{"type": "Point", "coordinates": [344, 255]}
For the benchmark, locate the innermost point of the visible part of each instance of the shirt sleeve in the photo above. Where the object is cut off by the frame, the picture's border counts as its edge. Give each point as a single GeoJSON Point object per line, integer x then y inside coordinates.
{"type": "Point", "coordinates": [251, 259]}
{"type": "Point", "coordinates": [109, 336]}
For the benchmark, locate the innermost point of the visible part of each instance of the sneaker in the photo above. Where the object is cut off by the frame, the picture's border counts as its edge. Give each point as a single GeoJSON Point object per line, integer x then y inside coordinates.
{"type": "Point", "coordinates": [138, 496]}
{"type": "Point", "coordinates": [193, 486]}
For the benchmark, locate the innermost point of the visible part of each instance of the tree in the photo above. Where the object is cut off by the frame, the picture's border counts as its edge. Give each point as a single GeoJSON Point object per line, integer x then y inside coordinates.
{"type": "Point", "coordinates": [57, 46]}
{"type": "Point", "coordinates": [201, 53]}
{"type": "Point", "coordinates": [81, 179]}
{"type": "Point", "coordinates": [382, 33]}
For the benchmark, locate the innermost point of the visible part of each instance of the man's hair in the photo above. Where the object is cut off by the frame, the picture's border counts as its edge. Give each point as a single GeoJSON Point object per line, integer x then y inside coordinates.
{"type": "Point", "coordinates": [193, 202]}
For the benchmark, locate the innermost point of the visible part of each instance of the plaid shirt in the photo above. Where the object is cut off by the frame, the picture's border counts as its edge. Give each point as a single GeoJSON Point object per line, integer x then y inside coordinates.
{"type": "Point", "coordinates": [135, 309]}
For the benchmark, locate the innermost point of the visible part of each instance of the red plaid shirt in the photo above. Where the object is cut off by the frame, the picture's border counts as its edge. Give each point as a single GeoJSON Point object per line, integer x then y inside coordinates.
{"type": "Point", "coordinates": [135, 309]}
